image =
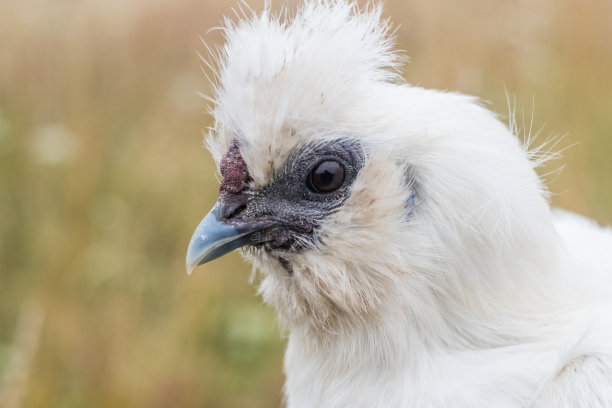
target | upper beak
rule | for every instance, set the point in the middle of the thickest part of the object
(215, 237)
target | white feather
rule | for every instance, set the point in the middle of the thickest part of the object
(481, 297)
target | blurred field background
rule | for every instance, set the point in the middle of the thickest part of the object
(103, 179)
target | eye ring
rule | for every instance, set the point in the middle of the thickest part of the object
(326, 176)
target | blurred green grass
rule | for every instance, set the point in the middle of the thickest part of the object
(103, 179)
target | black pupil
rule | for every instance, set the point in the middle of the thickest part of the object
(327, 176)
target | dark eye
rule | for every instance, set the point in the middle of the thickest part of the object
(326, 177)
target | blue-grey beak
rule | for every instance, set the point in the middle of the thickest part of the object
(217, 235)
(213, 238)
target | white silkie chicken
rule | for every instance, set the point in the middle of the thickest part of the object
(402, 233)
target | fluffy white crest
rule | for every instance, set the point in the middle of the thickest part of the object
(282, 81)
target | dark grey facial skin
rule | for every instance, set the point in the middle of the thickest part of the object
(288, 210)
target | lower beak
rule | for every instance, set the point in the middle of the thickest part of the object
(215, 237)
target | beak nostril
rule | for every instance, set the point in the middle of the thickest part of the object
(232, 210)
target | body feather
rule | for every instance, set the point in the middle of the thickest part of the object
(479, 295)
